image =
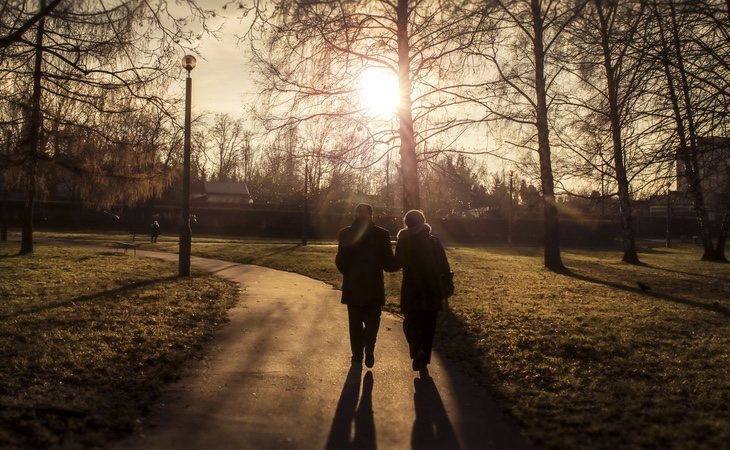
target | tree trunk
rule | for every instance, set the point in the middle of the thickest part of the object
(691, 152)
(683, 153)
(409, 163)
(722, 239)
(33, 143)
(305, 209)
(553, 260)
(624, 190)
(624, 195)
(4, 218)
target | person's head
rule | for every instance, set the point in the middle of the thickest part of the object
(414, 218)
(363, 213)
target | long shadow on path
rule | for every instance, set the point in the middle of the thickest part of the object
(348, 411)
(432, 428)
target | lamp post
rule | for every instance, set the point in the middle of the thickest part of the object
(188, 63)
(668, 242)
(511, 208)
(305, 210)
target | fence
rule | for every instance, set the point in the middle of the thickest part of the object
(282, 223)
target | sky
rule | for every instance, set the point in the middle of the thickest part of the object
(222, 81)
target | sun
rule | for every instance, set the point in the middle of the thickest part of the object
(378, 91)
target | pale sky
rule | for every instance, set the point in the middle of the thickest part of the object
(221, 81)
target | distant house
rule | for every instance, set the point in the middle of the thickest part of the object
(227, 192)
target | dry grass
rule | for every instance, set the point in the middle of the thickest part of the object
(88, 337)
(590, 361)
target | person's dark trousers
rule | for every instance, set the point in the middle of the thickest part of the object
(364, 325)
(420, 329)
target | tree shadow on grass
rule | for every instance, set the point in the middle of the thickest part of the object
(230, 266)
(714, 307)
(692, 274)
(256, 259)
(280, 250)
(88, 297)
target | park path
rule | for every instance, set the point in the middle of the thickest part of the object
(278, 375)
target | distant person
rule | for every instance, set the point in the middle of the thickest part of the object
(363, 253)
(154, 231)
(427, 283)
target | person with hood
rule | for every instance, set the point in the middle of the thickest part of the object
(427, 283)
(363, 253)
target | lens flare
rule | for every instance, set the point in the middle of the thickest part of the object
(378, 90)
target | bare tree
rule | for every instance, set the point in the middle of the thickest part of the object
(522, 54)
(280, 173)
(227, 137)
(15, 22)
(693, 50)
(608, 56)
(104, 56)
(314, 53)
(248, 156)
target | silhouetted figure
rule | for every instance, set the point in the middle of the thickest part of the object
(363, 252)
(426, 273)
(154, 231)
(432, 427)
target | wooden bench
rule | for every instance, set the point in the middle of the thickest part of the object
(126, 246)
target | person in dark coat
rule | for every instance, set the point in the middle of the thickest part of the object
(363, 253)
(154, 231)
(425, 265)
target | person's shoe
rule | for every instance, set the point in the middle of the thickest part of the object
(418, 365)
(369, 360)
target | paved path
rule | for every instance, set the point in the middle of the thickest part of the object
(278, 376)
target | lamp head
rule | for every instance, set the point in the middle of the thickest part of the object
(189, 62)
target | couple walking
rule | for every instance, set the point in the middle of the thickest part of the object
(363, 253)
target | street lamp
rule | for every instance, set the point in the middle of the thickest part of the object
(188, 63)
(305, 210)
(510, 214)
(668, 242)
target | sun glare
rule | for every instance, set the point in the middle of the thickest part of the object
(378, 92)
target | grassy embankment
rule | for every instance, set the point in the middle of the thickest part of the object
(88, 337)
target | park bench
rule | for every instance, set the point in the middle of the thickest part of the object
(126, 246)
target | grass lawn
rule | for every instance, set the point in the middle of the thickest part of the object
(87, 338)
(584, 360)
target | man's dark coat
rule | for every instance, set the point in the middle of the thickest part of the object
(363, 253)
